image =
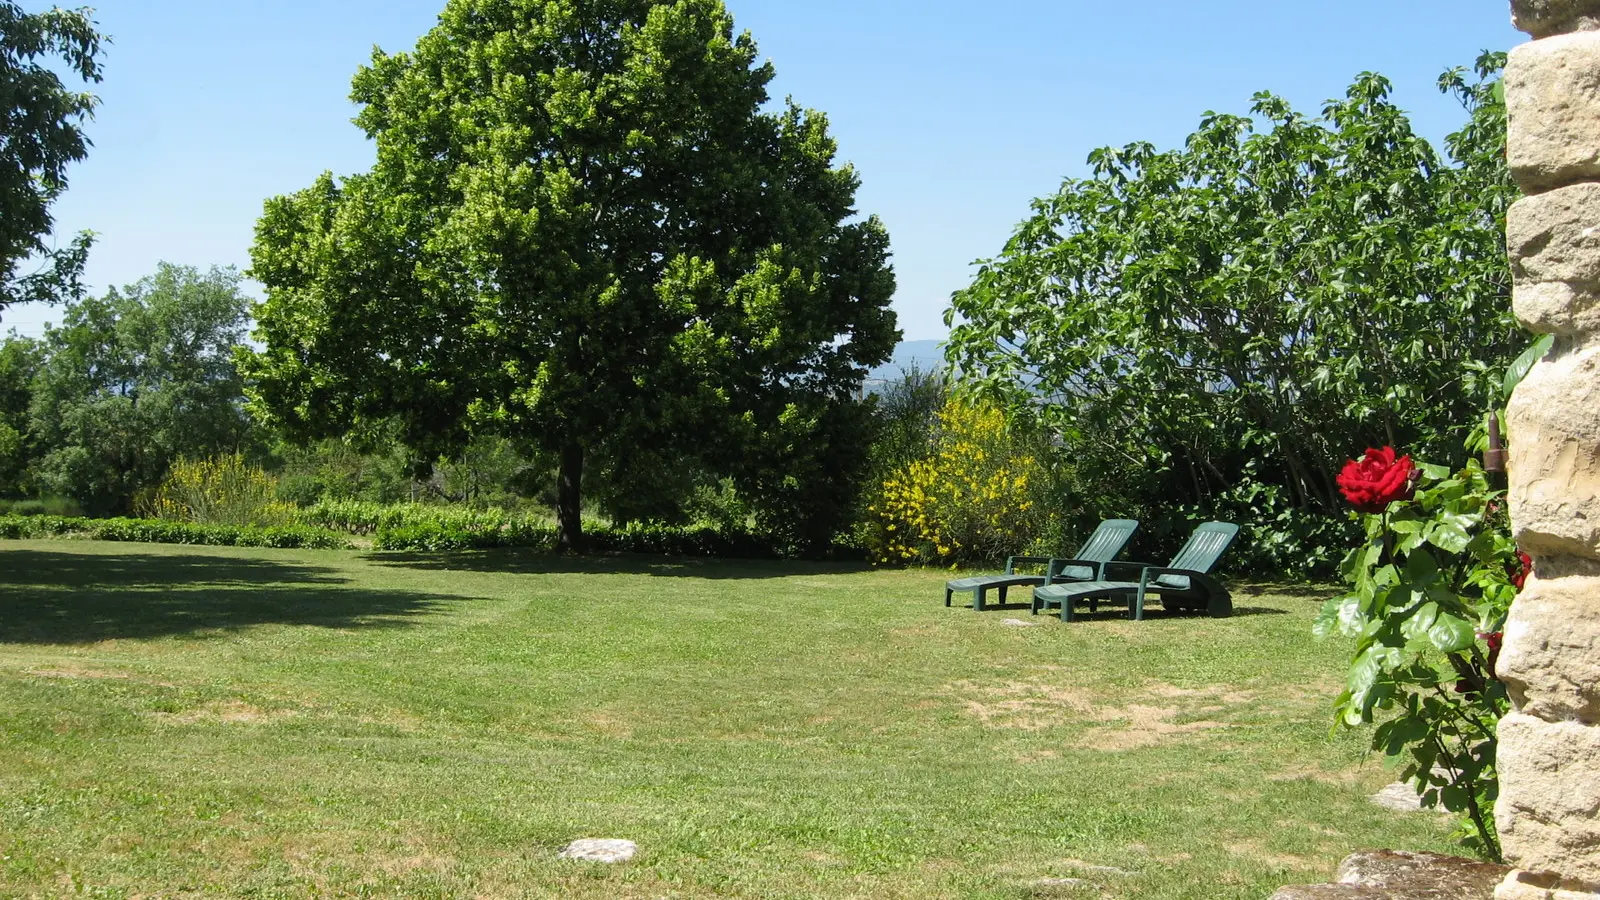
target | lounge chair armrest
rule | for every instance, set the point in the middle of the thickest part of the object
(1011, 562)
(1058, 566)
(1115, 564)
(1202, 579)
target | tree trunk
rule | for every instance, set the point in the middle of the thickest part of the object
(569, 502)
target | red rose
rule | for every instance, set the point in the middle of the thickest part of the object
(1523, 569)
(1377, 479)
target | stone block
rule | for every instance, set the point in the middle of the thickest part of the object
(1550, 660)
(1553, 105)
(1557, 307)
(1543, 18)
(1403, 875)
(1548, 812)
(1554, 484)
(1554, 243)
(1530, 886)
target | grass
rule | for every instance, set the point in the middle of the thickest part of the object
(188, 722)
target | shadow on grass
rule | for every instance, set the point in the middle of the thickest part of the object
(1153, 614)
(1318, 592)
(530, 562)
(65, 598)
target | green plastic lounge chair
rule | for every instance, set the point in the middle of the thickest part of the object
(1101, 547)
(1183, 584)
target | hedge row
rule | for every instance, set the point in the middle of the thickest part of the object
(635, 538)
(362, 517)
(158, 531)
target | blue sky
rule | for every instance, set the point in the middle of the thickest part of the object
(956, 114)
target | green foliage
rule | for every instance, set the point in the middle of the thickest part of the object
(1432, 573)
(907, 412)
(20, 360)
(635, 537)
(156, 531)
(584, 233)
(1238, 311)
(362, 517)
(135, 380)
(40, 135)
(48, 506)
(222, 490)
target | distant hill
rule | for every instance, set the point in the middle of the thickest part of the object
(924, 355)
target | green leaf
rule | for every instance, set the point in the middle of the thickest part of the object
(1523, 364)
(1451, 634)
(1449, 536)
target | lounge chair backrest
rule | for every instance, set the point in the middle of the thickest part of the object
(1206, 545)
(1108, 540)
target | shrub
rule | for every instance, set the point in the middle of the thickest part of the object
(157, 531)
(362, 517)
(1430, 589)
(970, 498)
(635, 537)
(222, 490)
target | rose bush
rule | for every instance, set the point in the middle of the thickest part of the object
(1430, 588)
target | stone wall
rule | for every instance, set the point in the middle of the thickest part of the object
(1549, 807)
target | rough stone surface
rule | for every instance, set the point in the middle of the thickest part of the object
(1528, 886)
(1550, 660)
(1555, 455)
(1557, 307)
(1398, 796)
(1399, 875)
(605, 850)
(1554, 244)
(1543, 18)
(1553, 110)
(1548, 812)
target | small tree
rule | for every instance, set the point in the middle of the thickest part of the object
(40, 135)
(137, 379)
(583, 232)
(1210, 326)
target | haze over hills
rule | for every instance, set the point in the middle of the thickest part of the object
(926, 356)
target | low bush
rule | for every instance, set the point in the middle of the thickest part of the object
(222, 490)
(971, 498)
(156, 531)
(364, 517)
(665, 540)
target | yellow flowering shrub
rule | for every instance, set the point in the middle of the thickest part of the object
(970, 498)
(223, 490)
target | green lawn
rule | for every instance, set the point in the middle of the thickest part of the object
(214, 722)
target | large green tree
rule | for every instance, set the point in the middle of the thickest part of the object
(1227, 322)
(587, 232)
(136, 379)
(40, 135)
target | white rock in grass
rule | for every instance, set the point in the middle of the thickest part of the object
(605, 850)
(1017, 623)
(1400, 796)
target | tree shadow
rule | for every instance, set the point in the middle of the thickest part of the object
(65, 598)
(1317, 592)
(1155, 614)
(514, 561)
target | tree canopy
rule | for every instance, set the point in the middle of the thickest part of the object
(40, 135)
(587, 232)
(132, 381)
(1242, 314)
